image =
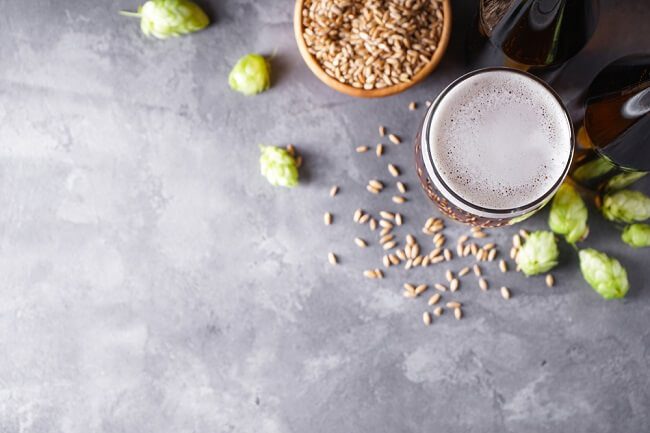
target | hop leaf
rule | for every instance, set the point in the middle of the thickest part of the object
(250, 75)
(604, 274)
(627, 206)
(278, 166)
(637, 235)
(539, 253)
(568, 214)
(166, 18)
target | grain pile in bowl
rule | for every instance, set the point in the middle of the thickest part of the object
(372, 44)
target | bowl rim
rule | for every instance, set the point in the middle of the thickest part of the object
(316, 68)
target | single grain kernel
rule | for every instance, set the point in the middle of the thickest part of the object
(426, 318)
(331, 257)
(550, 280)
(372, 224)
(463, 271)
(327, 218)
(420, 289)
(503, 266)
(399, 199)
(412, 106)
(379, 150)
(453, 285)
(434, 299)
(505, 293)
(389, 245)
(394, 139)
(361, 149)
(387, 215)
(438, 311)
(483, 284)
(386, 224)
(398, 219)
(477, 270)
(458, 313)
(369, 273)
(440, 287)
(334, 190)
(382, 130)
(401, 187)
(393, 170)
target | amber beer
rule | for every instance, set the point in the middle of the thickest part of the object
(494, 147)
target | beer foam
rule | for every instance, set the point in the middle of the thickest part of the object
(500, 140)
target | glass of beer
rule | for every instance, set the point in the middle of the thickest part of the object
(494, 147)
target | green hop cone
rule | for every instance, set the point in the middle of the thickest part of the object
(278, 166)
(637, 235)
(250, 75)
(167, 18)
(627, 206)
(568, 216)
(539, 253)
(623, 180)
(604, 274)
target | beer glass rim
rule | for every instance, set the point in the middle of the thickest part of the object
(461, 202)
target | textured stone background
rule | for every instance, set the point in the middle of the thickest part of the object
(152, 281)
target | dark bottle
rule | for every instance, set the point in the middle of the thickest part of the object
(535, 34)
(614, 141)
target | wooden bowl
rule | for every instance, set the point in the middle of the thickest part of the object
(335, 84)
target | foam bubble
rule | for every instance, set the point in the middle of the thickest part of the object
(500, 140)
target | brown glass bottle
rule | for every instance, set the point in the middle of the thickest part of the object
(535, 35)
(613, 143)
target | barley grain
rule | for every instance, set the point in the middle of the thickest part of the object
(327, 218)
(505, 293)
(434, 299)
(463, 271)
(334, 190)
(426, 318)
(503, 266)
(550, 280)
(393, 170)
(362, 149)
(331, 257)
(458, 313)
(483, 284)
(438, 311)
(394, 139)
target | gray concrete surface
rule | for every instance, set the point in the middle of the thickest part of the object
(152, 281)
